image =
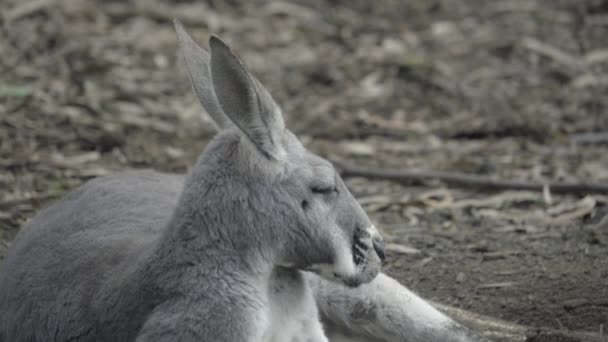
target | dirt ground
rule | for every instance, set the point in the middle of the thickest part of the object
(513, 89)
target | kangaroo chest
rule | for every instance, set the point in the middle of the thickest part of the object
(291, 311)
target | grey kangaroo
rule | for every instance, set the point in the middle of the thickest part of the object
(260, 242)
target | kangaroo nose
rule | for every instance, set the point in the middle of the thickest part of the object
(379, 248)
(378, 243)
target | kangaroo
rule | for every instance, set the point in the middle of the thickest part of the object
(260, 242)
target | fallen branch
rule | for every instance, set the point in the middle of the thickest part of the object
(469, 180)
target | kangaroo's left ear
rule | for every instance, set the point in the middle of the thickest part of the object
(197, 63)
(245, 101)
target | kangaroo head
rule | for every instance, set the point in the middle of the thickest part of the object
(295, 198)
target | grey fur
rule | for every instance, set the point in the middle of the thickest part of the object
(214, 256)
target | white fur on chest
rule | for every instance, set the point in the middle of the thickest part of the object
(291, 314)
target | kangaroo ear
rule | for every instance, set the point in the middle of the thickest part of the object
(245, 101)
(197, 63)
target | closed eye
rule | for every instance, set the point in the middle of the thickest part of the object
(324, 190)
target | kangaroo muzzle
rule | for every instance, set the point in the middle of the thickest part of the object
(356, 264)
(377, 242)
(365, 239)
(372, 235)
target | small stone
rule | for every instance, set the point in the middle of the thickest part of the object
(460, 277)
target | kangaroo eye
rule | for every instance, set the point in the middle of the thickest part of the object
(324, 190)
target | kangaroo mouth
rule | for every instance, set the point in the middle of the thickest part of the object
(356, 264)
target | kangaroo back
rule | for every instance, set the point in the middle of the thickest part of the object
(73, 261)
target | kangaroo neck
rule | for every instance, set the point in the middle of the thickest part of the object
(202, 239)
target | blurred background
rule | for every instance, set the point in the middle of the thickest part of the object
(513, 89)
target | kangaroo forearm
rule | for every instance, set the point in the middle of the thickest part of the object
(384, 310)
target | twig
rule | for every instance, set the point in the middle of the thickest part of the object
(554, 53)
(466, 180)
(602, 224)
(596, 56)
(590, 138)
(26, 8)
(8, 203)
(496, 285)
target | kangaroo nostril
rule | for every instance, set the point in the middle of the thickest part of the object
(379, 248)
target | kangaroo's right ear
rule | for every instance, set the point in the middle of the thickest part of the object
(197, 64)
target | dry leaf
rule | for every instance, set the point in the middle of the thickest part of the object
(401, 249)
